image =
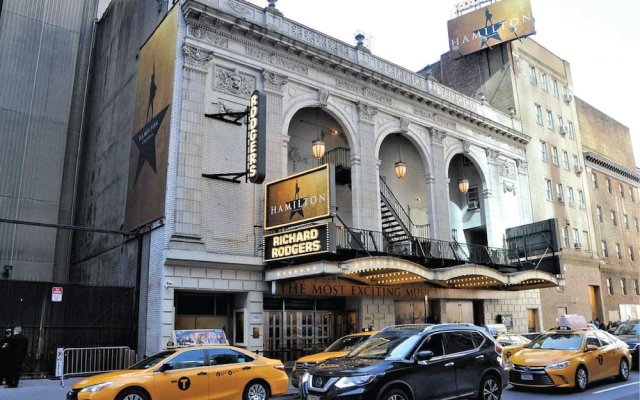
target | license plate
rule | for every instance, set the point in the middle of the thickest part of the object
(526, 377)
(312, 397)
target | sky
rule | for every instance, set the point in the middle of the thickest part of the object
(597, 38)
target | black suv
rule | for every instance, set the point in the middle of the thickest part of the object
(413, 362)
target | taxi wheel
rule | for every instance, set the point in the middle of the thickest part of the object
(255, 391)
(394, 394)
(624, 370)
(133, 394)
(582, 378)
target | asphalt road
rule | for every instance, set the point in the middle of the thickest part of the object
(43, 389)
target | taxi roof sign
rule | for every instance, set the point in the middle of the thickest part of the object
(572, 322)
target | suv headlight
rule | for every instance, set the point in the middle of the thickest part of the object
(96, 388)
(305, 377)
(560, 365)
(349, 381)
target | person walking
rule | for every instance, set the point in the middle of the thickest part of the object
(4, 357)
(18, 345)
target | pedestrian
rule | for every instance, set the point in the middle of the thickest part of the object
(18, 345)
(4, 357)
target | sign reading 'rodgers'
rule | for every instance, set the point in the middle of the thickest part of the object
(303, 197)
(313, 239)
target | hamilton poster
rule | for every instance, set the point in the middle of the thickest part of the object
(151, 124)
(490, 25)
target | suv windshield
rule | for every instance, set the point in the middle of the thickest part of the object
(628, 328)
(151, 361)
(346, 343)
(386, 346)
(557, 341)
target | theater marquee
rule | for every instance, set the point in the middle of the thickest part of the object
(299, 198)
(314, 239)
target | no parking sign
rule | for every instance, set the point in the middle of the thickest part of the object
(56, 294)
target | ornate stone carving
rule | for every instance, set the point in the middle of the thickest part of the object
(466, 146)
(196, 58)
(366, 111)
(273, 81)
(276, 59)
(507, 169)
(438, 136)
(522, 166)
(323, 96)
(208, 37)
(492, 155)
(509, 187)
(234, 82)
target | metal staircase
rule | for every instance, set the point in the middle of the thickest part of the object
(396, 224)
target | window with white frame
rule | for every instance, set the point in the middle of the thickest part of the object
(631, 194)
(565, 160)
(608, 182)
(603, 247)
(585, 235)
(572, 133)
(625, 219)
(609, 287)
(599, 214)
(565, 236)
(554, 86)
(538, 114)
(549, 188)
(576, 163)
(632, 256)
(621, 190)
(618, 251)
(545, 82)
(549, 119)
(560, 122)
(570, 194)
(576, 239)
(533, 75)
(636, 287)
(554, 156)
(560, 192)
(543, 147)
(623, 286)
(594, 180)
(474, 198)
(614, 220)
(581, 202)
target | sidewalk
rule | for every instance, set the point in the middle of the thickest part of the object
(48, 389)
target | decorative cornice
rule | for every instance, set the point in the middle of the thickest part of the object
(611, 166)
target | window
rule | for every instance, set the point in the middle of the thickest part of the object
(621, 190)
(554, 156)
(592, 340)
(474, 198)
(227, 356)
(565, 160)
(594, 180)
(581, 203)
(604, 338)
(554, 86)
(608, 182)
(599, 213)
(632, 256)
(570, 189)
(549, 189)
(603, 246)
(545, 82)
(631, 194)
(637, 225)
(618, 251)
(560, 193)
(565, 236)
(609, 286)
(560, 123)
(543, 146)
(576, 164)
(533, 74)
(187, 359)
(625, 218)
(585, 235)
(435, 344)
(549, 120)
(576, 238)
(572, 133)
(460, 341)
(538, 114)
(636, 287)
(623, 286)
(614, 220)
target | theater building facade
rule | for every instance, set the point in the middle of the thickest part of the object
(313, 189)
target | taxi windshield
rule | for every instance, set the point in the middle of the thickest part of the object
(558, 341)
(391, 346)
(153, 360)
(346, 343)
(628, 329)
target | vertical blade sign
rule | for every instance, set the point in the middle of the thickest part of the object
(256, 138)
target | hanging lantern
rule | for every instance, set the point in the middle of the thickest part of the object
(401, 169)
(317, 147)
(463, 185)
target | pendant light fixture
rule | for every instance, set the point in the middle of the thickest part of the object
(318, 146)
(463, 183)
(400, 167)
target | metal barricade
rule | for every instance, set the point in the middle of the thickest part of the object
(94, 360)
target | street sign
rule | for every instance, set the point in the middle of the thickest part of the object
(56, 294)
(59, 359)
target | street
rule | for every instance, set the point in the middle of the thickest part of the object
(43, 389)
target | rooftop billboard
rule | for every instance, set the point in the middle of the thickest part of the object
(490, 25)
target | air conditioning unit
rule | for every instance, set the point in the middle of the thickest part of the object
(577, 245)
(568, 97)
(563, 130)
(473, 205)
(578, 169)
(561, 199)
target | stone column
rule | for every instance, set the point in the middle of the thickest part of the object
(438, 190)
(524, 192)
(492, 213)
(366, 204)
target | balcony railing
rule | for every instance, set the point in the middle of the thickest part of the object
(340, 157)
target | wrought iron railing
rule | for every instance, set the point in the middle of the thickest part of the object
(415, 230)
(340, 157)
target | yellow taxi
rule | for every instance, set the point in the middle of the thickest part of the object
(511, 344)
(213, 372)
(338, 348)
(570, 356)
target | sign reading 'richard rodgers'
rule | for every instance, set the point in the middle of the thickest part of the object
(493, 24)
(314, 239)
(303, 197)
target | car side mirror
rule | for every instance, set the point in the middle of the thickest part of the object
(165, 367)
(424, 355)
(591, 347)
